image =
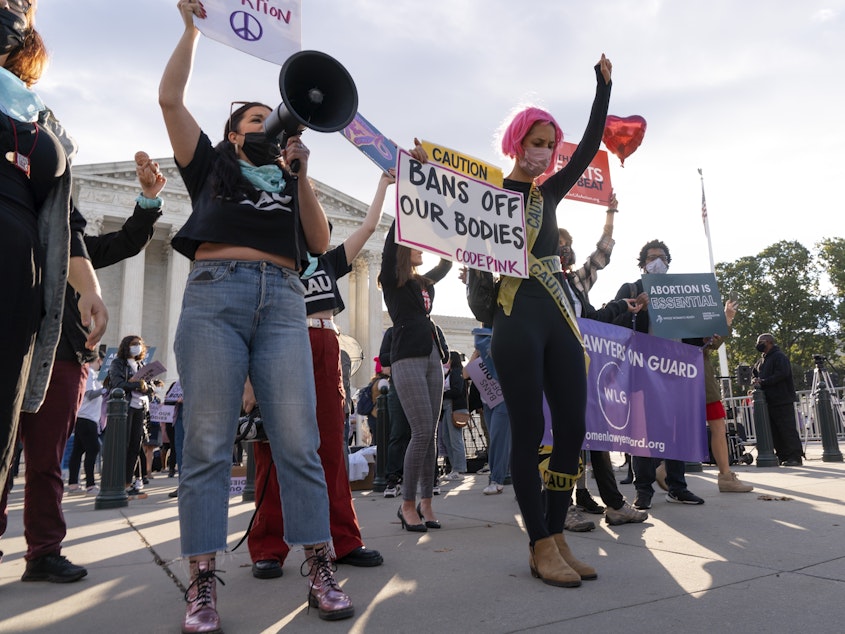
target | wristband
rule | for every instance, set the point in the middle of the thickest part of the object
(612, 209)
(148, 203)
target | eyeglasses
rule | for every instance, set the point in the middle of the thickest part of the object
(652, 258)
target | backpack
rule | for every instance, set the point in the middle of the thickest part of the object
(482, 295)
(365, 404)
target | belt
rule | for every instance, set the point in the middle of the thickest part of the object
(313, 322)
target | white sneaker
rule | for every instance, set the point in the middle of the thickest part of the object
(92, 490)
(74, 489)
(139, 484)
(453, 476)
(493, 488)
(484, 470)
(392, 490)
(435, 490)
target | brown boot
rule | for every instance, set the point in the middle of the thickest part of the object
(547, 564)
(201, 613)
(586, 572)
(324, 593)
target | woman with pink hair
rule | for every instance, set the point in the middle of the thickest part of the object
(536, 342)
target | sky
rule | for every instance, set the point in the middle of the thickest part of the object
(745, 91)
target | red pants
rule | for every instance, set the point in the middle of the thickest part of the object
(44, 437)
(265, 539)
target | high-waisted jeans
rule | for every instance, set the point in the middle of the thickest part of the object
(242, 318)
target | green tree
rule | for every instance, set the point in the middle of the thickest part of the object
(832, 256)
(779, 292)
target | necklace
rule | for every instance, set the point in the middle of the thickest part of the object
(16, 158)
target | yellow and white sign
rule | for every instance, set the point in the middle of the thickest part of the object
(464, 164)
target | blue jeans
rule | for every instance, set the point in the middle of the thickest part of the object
(499, 449)
(238, 319)
(453, 439)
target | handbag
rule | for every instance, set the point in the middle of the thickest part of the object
(251, 428)
(482, 294)
(460, 418)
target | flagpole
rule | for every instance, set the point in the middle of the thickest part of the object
(723, 353)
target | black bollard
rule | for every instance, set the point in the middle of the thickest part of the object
(112, 493)
(823, 406)
(248, 494)
(765, 447)
(380, 481)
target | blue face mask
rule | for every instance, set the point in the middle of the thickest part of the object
(18, 101)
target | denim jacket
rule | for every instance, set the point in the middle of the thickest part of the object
(54, 233)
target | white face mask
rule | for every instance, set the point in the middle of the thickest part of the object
(535, 161)
(656, 267)
(134, 350)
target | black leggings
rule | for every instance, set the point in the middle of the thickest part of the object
(134, 438)
(86, 440)
(536, 352)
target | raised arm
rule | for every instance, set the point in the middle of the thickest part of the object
(355, 242)
(182, 128)
(561, 182)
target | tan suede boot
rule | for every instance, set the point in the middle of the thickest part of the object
(548, 565)
(585, 571)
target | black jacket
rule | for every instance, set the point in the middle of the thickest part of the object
(635, 321)
(775, 373)
(119, 375)
(104, 250)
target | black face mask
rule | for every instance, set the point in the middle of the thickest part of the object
(567, 257)
(260, 150)
(761, 347)
(12, 28)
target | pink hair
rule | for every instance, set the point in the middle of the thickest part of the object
(521, 125)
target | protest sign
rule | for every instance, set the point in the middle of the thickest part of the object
(594, 185)
(487, 386)
(645, 394)
(174, 394)
(375, 146)
(685, 305)
(463, 163)
(459, 218)
(149, 371)
(111, 353)
(268, 29)
(160, 413)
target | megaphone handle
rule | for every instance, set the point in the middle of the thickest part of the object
(294, 166)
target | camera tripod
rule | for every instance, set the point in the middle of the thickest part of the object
(821, 375)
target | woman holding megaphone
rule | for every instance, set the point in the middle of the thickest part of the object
(248, 235)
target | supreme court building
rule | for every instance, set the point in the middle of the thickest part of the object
(144, 293)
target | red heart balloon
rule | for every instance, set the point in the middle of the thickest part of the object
(623, 135)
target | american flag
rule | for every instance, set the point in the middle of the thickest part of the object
(703, 206)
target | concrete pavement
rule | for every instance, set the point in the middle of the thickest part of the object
(770, 560)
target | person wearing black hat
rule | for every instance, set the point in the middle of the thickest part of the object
(773, 374)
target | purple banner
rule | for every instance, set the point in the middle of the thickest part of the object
(645, 395)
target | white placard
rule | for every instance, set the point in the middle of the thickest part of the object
(468, 221)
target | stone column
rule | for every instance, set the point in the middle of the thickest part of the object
(374, 309)
(343, 320)
(178, 267)
(132, 297)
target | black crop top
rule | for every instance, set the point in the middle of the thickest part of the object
(269, 224)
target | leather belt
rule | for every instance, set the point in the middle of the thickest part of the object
(314, 322)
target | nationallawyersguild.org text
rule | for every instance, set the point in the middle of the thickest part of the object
(621, 439)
